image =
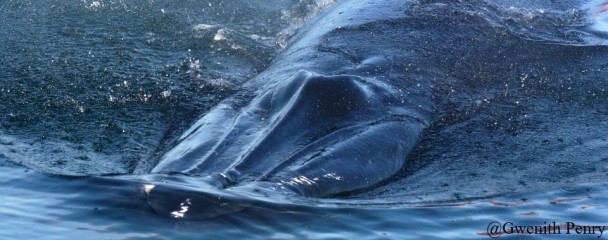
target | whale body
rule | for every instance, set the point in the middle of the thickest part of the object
(316, 122)
(343, 107)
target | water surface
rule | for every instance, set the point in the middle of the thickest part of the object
(101, 88)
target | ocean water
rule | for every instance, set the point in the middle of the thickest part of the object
(91, 90)
(34, 205)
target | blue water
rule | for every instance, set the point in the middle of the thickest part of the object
(101, 88)
(39, 206)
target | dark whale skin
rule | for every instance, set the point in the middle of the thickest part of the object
(344, 105)
(317, 122)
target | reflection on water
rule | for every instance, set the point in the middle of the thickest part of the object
(39, 206)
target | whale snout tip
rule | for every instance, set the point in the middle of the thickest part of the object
(179, 203)
(185, 202)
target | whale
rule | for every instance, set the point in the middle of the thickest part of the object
(342, 108)
(319, 121)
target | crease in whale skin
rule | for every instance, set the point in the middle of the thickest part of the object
(313, 124)
(341, 109)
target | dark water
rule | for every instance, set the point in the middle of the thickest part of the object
(104, 82)
(104, 87)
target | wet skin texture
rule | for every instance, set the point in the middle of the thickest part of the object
(340, 109)
(315, 123)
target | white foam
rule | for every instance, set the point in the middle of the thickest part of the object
(203, 27)
(166, 93)
(219, 83)
(220, 35)
(297, 22)
(93, 5)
